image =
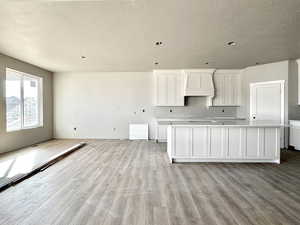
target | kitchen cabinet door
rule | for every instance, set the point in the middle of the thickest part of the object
(219, 83)
(161, 132)
(199, 142)
(227, 88)
(169, 88)
(217, 147)
(161, 90)
(232, 90)
(182, 139)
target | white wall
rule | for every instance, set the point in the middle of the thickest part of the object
(17, 139)
(96, 103)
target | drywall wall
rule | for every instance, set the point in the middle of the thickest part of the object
(261, 73)
(294, 108)
(102, 104)
(17, 139)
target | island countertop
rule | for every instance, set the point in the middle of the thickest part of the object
(231, 123)
(197, 119)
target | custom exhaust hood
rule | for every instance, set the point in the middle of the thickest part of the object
(199, 82)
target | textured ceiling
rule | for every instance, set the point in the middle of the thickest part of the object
(120, 35)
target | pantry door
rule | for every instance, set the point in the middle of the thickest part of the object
(267, 102)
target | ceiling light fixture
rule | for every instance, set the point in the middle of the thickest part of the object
(231, 43)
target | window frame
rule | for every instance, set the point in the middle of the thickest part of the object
(39, 97)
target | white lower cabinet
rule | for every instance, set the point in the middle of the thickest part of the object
(295, 134)
(224, 144)
(182, 142)
(161, 132)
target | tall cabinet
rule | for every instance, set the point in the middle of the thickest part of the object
(169, 88)
(227, 88)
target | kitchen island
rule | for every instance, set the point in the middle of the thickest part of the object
(226, 141)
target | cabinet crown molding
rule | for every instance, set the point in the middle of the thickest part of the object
(200, 70)
(228, 71)
(167, 71)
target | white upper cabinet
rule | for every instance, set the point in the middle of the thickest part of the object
(227, 88)
(198, 82)
(169, 88)
(221, 87)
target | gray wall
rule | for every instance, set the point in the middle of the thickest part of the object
(294, 108)
(261, 73)
(17, 139)
(101, 104)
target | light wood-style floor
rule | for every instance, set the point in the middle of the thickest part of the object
(22, 161)
(132, 183)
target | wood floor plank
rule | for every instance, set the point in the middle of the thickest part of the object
(113, 182)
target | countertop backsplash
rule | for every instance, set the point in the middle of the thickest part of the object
(194, 107)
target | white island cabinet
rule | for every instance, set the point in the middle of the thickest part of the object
(232, 142)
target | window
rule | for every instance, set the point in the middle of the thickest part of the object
(23, 100)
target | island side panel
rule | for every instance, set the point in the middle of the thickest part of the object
(224, 144)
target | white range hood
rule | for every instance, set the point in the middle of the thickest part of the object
(199, 82)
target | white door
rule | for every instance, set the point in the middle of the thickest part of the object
(267, 102)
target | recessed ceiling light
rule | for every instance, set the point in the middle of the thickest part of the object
(83, 57)
(231, 43)
(158, 43)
